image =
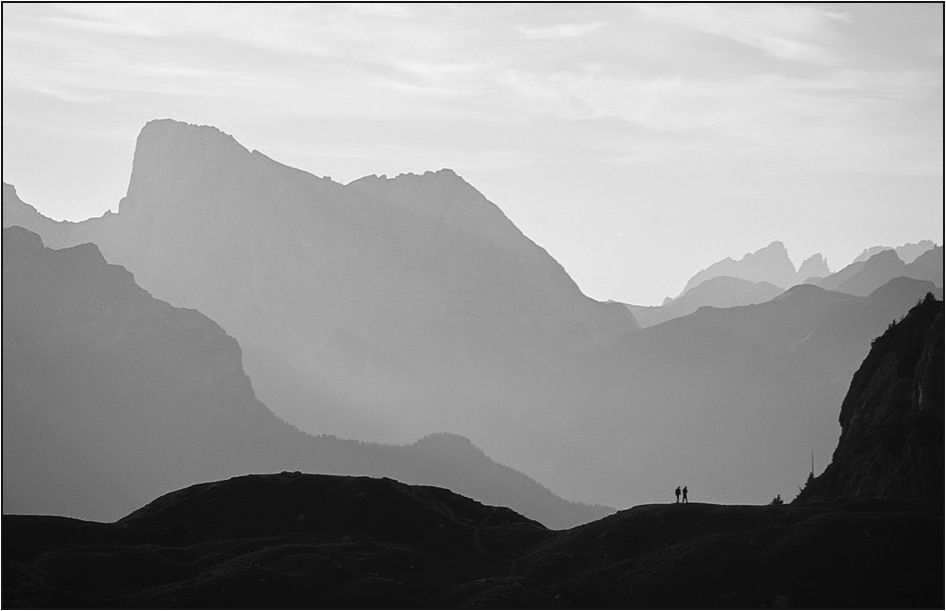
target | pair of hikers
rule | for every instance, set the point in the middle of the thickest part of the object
(677, 492)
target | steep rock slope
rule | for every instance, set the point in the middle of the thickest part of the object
(891, 443)
(111, 397)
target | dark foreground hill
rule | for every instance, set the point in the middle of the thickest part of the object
(292, 540)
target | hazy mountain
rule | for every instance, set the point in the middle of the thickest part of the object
(717, 292)
(762, 377)
(292, 540)
(384, 310)
(891, 443)
(813, 267)
(770, 264)
(928, 266)
(111, 396)
(863, 277)
(907, 252)
(373, 311)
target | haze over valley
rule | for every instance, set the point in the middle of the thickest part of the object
(472, 305)
(391, 309)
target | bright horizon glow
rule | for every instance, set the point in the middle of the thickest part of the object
(638, 144)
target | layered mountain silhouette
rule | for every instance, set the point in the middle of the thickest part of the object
(863, 277)
(384, 310)
(755, 278)
(907, 252)
(111, 397)
(717, 292)
(292, 540)
(758, 376)
(891, 443)
(390, 309)
(770, 264)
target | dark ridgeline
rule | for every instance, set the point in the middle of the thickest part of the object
(891, 444)
(389, 309)
(111, 397)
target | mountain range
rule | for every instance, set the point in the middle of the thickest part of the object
(770, 264)
(862, 277)
(717, 292)
(390, 309)
(111, 397)
(906, 252)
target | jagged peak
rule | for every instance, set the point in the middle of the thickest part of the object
(443, 175)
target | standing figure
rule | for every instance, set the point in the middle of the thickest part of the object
(685, 495)
(677, 492)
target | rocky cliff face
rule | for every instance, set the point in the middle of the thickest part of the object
(891, 443)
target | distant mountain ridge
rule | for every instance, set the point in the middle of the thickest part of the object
(907, 252)
(863, 277)
(717, 292)
(111, 396)
(770, 264)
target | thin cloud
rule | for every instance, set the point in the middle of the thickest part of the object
(788, 32)
(563, 30)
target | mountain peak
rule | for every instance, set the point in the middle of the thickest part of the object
(813, 267)
(170, 153)
(769, 264)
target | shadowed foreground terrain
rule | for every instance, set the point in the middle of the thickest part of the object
(295, 540)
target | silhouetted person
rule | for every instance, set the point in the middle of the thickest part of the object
(684, 494)
(677, 492)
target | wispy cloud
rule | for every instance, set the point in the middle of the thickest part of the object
(561, 30)
(786, 31)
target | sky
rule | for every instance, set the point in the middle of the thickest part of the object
(637, 144)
